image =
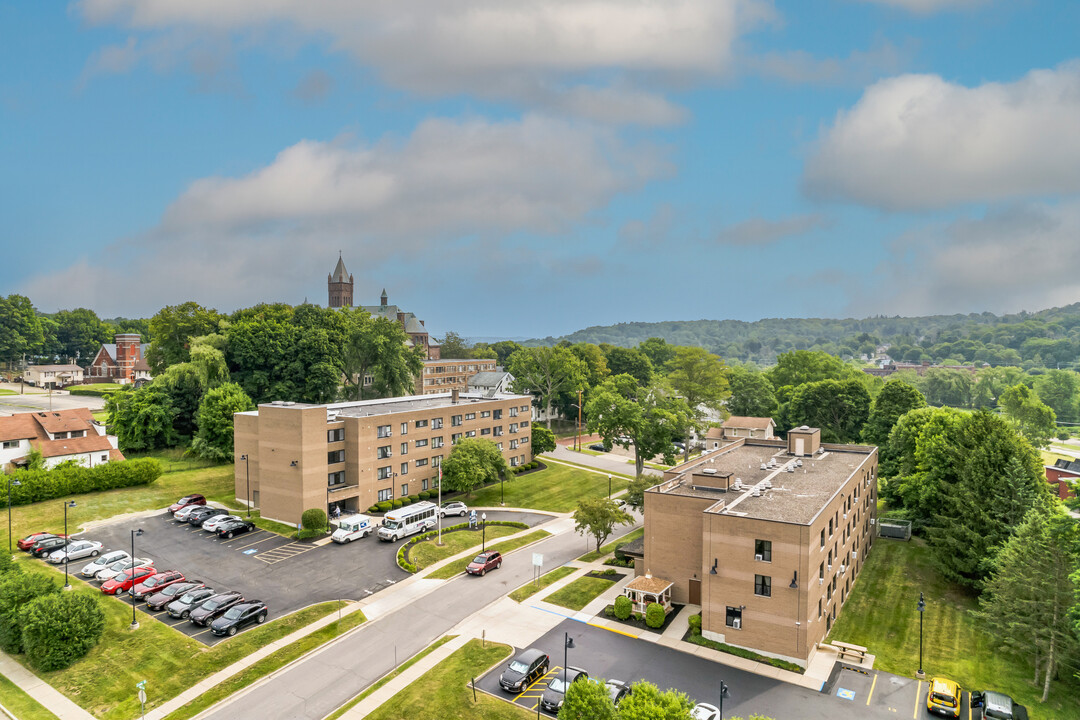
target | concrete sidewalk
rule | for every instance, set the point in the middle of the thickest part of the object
(51, 699)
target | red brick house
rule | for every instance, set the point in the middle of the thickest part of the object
(123, 361)
(1063, 470)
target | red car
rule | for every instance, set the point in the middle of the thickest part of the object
(157, 583)
(29, 541)
(490, 560)
(185, 501)
(123, 582)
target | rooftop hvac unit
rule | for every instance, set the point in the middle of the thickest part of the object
(790, 468)
(756, 492)
(709, 471)
(737, 623)
(764, 466)
(767, 483)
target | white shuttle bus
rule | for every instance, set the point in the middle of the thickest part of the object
(408, 520)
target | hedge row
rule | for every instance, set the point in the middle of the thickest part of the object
(388, 505)
(524, 468)
(71, 479)
(403, 551)
(95, 390)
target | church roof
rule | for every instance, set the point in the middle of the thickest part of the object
(340, 273)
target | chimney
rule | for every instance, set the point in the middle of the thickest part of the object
(454, 396)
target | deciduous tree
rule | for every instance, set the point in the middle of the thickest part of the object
(79, 334)
(629, 361)
(1030, 414)
(658, 351)
(21, 330)
(895, 399)
(171, 330)
(620, 410)
(751, 393)
(699, 378)
(839, 407)
(587, 701)
(377, 348)
(214, 438)
(635, 491)
(60, 628)
(473, 463)
(545, 372)
(648, 702)
(598, 517)
(1059, 390)
(543, 440)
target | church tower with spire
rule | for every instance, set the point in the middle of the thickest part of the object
(339, 284)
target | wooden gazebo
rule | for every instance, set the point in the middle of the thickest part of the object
(647, 589)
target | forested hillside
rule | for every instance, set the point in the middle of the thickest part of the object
(1048, 338)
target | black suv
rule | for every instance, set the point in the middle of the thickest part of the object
(214, 607)
(182, 607)
(42, 548)
(527, 667)
(240, 615)
(234, 527)
(198, 517)
(555, 692)
(157, 601)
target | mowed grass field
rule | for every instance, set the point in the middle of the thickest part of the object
(556, 489)
(882, 615)
(427, 553)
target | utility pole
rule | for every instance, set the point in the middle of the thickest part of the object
(579, 419)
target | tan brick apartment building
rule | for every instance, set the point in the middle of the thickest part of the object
(767, 536)
(355, 454)
(443, 376)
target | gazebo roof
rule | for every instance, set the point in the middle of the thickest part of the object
(649, 584)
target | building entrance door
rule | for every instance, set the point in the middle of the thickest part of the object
(695, 592)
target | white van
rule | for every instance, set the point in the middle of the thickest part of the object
(353, 528)
(406, 521)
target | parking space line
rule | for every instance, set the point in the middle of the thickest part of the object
(202, 632)
(872, 686)
(918, 694)
(239, 537)
(255, 543)
(536, 682)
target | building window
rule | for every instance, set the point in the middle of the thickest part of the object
(497, 431)
(404, 490)
(470, 433)
(485, 431)
(404, 468)
(524, 408)
(470, 416)
(455, 420)
(524, 423)
(513, 461)
(336, 478)
(454, 438)
(385, 473)
(436, 423)
(524, 439)
(763, 550)
(763, 585)
(421, 443)
(513, 427)
(513, 412)
(823, 538)
(387, 494)
(734, 617)
(383, 452)
(498, 415)
(437, 442)
(78, 433)
(404, 428)
(421, 423)
(104, 458)
(485, 413)
(437, 461)
(404, 448)
(11, 444)
(513, 444)
(423, 484)
(422, 462)
(335, 435)
(830, 528)
(499, 445)
(335, 456)
(384, 431)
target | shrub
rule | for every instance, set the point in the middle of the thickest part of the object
(695, 624)
(424, 495)
(619, 554)
(314, 520)
(17, 590)
(70, 478)
(373, 509)
(398, 503)
(60, 628)
(96, 390)
(623, 607)
(637, 616)
(384, 505)
(414, 498)
(7, 565)
(654, 615)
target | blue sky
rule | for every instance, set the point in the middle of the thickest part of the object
(512, 168)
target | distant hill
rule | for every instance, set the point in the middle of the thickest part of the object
(1046, 338)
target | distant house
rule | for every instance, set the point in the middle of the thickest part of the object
(123, 361)
(53, 376)
(1061, 471)
(60, 435)
(491, 383)
(920, 369)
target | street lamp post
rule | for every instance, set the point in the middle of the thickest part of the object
(10, 484)
(67, 541)
(502, 493)
(247, 475)
(568, 643)
(922, 608)
(131, 591)
(609, 486)
(483, 539)
(723, 694)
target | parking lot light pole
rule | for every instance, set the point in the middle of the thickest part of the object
(609, 486)
(483, 538)
(134, 622)
(247, 475)
(10, 484)
(67, 541)
(723, 694)
(922, 608)
(568, 642)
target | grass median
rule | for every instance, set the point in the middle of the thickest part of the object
(20, 704)
(579, 593)
(427, 553)
(610, 547)
(443, 691)
(526, 591)
(881, 614)
(458, 566)
(555, 489)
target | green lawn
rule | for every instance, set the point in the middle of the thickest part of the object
(442, 692)
(103, 682)
(5, 391)
(881, 614)
(527, 591)
(556, 489)
(390, 676)
(427, 553)
(267, 665)
(20, 704)
(458, 566)
(579, 593)
(610, 547)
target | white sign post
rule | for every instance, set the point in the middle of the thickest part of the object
(538, 563)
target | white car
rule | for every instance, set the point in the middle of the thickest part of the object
(214, 523)
(118, 567)
(453, 507)
(181, 514)
(76, 550)
(103, 562)
(704, 711)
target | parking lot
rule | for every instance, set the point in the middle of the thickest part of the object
(607, 655)
(285, 574)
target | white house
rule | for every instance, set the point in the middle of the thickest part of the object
(60, 435)
(491, 383)
(54, 376)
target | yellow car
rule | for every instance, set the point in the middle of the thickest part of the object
(943, 697)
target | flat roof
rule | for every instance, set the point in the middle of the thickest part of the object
(795, 497)
(390, 406)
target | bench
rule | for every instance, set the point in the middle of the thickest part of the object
(847, 651)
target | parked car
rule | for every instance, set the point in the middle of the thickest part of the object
(490, 560)
(44, 548)
(352, 528)
(182, 514)
(187, 501)
(76, 550)
(214, 607)
(528, 667)
(240, 615)
(103, 561)
(234, 527)
(28, 542)
(555, 692)
(198, 516)
(125, 580)
(213, 523)
(993, 705)
(617, 690)
(598, 447)
(159, 600)
(705, 711)
(183, 605)
(118, 567)
(157, 582)
(453, 507)
(943, 697)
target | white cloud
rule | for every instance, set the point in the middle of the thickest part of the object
(449, 190)
(917, 142)
(759, 232)
(925, 7)
(1020, 257)
(494, 48)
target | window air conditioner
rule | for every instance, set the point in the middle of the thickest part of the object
(821, 581)
(873, 521)
(757, 557)
(737, 623)
(854, 554)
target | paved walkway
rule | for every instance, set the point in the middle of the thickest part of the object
(51, 699)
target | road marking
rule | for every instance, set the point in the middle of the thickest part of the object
(200, 633)
(240, 536)
(255, 543)
(918, 694)
(872, 686)
(537, 681)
